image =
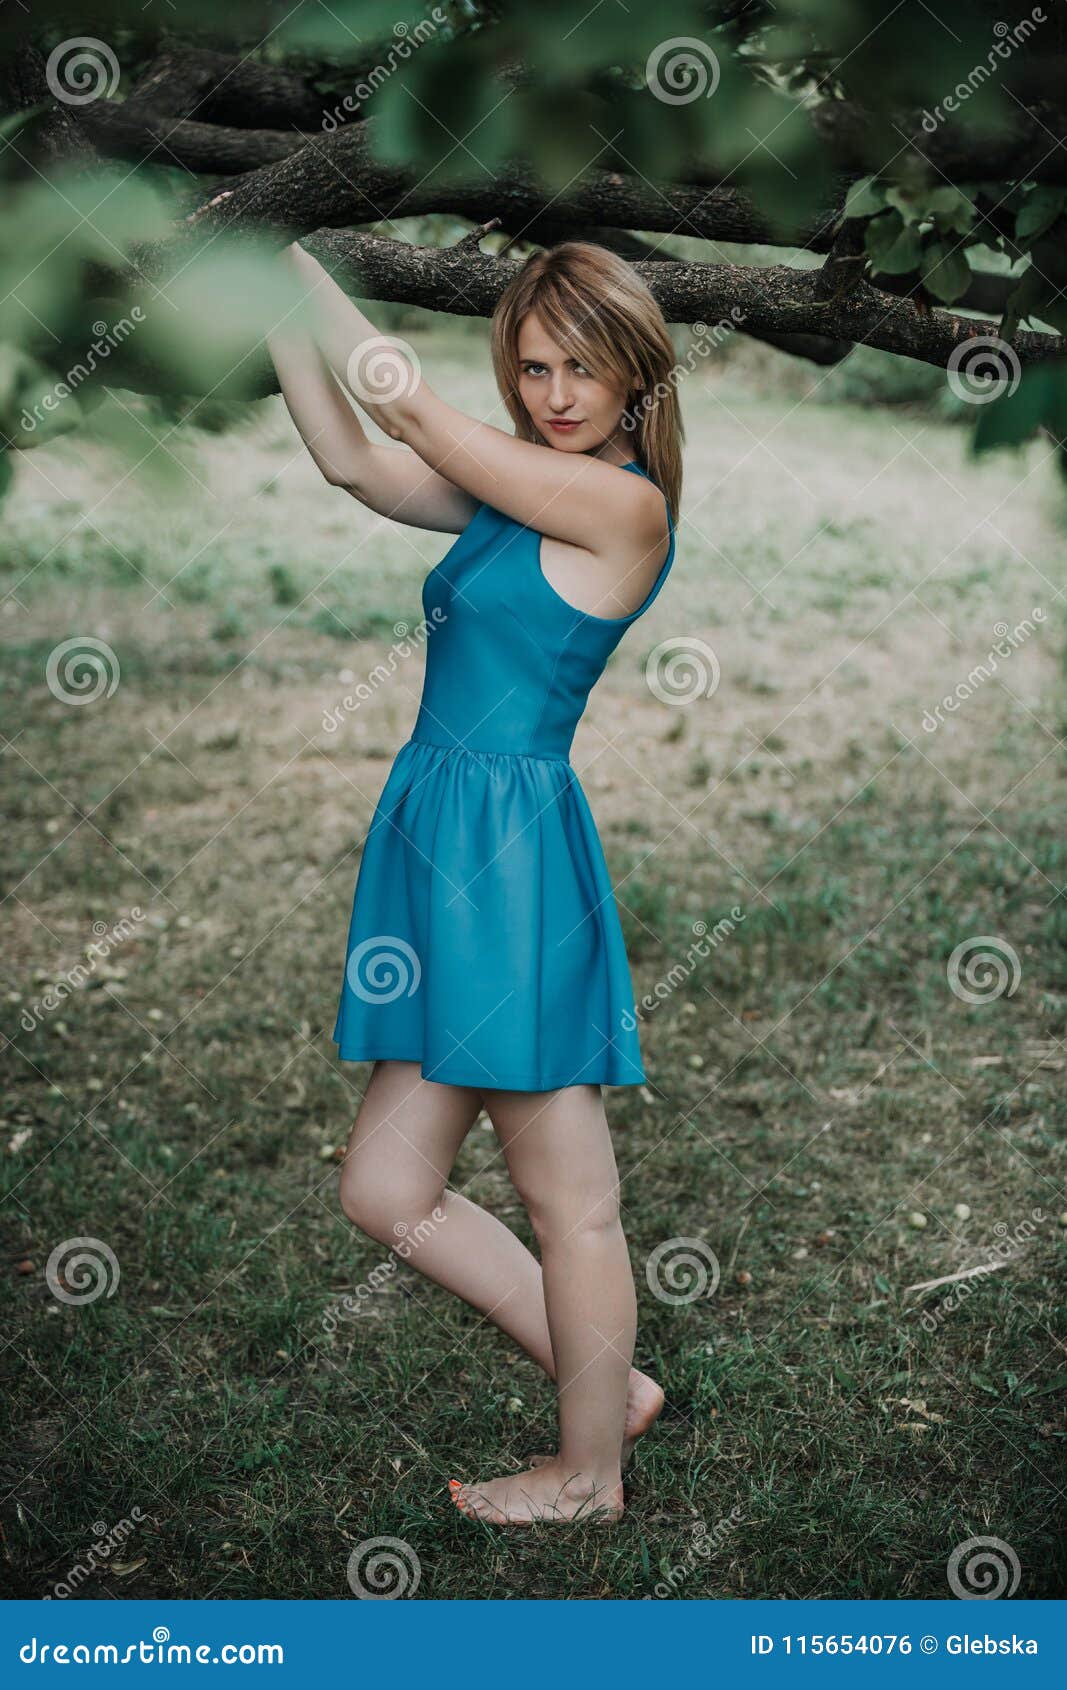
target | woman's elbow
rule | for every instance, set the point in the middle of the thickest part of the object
(339, 475)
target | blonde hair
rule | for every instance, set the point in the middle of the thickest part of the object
(594, 304)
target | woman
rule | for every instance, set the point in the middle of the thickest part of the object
(486, 965)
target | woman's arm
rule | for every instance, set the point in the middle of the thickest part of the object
(567, 496)
(394, 483)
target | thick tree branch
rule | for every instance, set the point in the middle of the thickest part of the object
(771, 304)
(225, 88)
(54, 137)
(777, 300)
(1033, 148)
(130, 131)
(335, 181)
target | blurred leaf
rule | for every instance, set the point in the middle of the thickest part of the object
(953, 211)
(1040, 400)
(205, 323)
(14, 121)
(1041, 208)
(895, 250)
(865, 198)
(945, 271)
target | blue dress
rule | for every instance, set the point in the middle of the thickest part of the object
(485, 942)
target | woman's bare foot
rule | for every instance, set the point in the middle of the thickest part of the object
(547, 1492)
(644, 1401)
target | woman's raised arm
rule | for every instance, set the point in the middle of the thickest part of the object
(569, 496)
(395, 483)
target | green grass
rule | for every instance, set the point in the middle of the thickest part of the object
(813, 1083)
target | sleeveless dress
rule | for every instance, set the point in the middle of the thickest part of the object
(484, 941)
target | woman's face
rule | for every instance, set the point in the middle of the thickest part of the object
(572, 410)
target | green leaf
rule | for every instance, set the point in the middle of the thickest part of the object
(865, 198)
(11, 124)
(894, 250)
(1042, 291)
(952, 211)
(1021, 301)
(1010, 420)
(907, 202)
(1042, 207)
(945, 271)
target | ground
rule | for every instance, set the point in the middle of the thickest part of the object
(827, 1115)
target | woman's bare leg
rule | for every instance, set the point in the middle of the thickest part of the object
(403, 1145)
(405, 1140)
(560, 1157)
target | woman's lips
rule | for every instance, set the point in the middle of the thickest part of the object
(563, 426)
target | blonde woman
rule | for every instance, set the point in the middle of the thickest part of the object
(485, 960)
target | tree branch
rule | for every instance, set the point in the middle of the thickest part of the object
(335, 181)
(777, 300)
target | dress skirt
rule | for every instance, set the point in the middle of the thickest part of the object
(484, 940)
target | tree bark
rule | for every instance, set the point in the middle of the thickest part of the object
(777, 300)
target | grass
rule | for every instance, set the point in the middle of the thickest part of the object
(815, 1090)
